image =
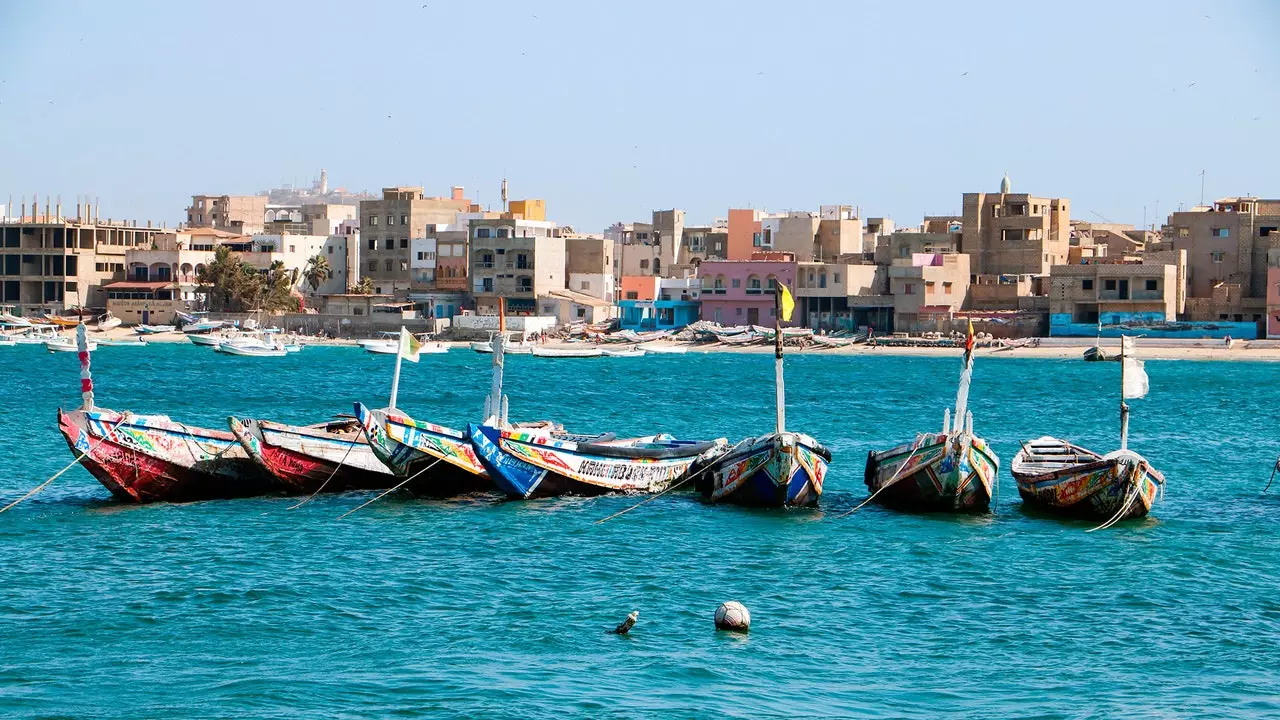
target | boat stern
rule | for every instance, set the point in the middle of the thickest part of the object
(515, 477)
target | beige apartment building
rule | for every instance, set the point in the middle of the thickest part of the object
(520, 260)
(1015, 234)
(50, 263)
(589, 266)
(1227, 246)
(241, 214)
(388, 225)
(927, 289)
(843, 295)
(1115, 292)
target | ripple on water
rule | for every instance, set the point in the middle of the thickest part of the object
(483, 607)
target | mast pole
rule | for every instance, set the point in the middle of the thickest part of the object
(777, 352)
(1124, 408)
(395, 379)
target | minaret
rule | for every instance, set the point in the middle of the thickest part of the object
(324, 181)
(1005, 186)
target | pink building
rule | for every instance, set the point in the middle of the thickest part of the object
(740, 292)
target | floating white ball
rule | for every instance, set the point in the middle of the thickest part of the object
(733, 616)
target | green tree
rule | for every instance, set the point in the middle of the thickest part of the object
(317, 272)
(364, 287)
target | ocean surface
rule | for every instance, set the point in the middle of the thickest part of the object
(488, 608)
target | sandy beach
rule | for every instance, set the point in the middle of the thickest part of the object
(1051, 348)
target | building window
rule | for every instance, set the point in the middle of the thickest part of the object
(293, 249)
(644, 264)
(756, 239)
(737, 282)
(909, 289)
(1086, 284)
(585, 285)
(1217, 256)
(504, 232)
(835, 278)
(391, 219)
(330, 249)
(390, 243)
(404, 243)
(1267, 230)
(928, 287)
(1109, 284)
(946, 288)
(387, 265)
(373, 266)
(373, 243)
(404, 219)
(1152, 284)
(373, 220)
(633, 295)
(1221, 232)
(484, 233)
(404, 265)
(1184, 232)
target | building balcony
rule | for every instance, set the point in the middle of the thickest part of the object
(451, 283)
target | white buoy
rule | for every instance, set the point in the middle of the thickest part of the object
(733, 616)
(625, 626)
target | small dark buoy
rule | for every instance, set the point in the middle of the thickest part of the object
(733, 616)
(625, 626)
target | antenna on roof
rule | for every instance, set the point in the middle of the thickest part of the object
(504, 194)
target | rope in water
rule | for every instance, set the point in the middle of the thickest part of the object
(1273, 476)
(915, 447)
(391, 490)
(325, 484)
(79, 456)
(651, 498)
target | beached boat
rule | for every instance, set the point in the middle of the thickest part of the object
(63, 322)
(661, 349)
(66, 344)
(107, 322)
(622, 352)
(6, 341)
(782, 468)
(122, 342)
(1060, 477)
(567, 352)
(207, 340)
(526, 463)
(153, 329)
(382, 348)
(949, 471)
(332, 455)
(36, 335)
(510, 348)
(1097, 354)
(147, 458)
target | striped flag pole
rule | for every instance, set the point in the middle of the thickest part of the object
(86, 377)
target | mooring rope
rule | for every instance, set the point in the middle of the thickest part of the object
(651, 498)
(79, 456)
(1128, 503)
(1273, 475)
(914, 448)
(391, 490)
(324, 484)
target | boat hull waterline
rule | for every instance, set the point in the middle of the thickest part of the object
(944, 472)
(776, 470)
(305, 459)
(442, 455)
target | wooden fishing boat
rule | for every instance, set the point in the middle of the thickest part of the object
(1058, 476)
(63, 322)
(527, 463)
(949, 471)
(1097, 354)
(780, 469)
(334, 455)
(147, 458)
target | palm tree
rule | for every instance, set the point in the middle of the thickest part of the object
(317, 272)
(364, 287)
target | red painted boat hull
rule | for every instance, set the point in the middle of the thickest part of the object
(133, 474)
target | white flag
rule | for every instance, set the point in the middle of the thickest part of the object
(1135, 379)
(409, 346)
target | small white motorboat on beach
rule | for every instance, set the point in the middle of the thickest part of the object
(68, 345)
(153, 329)
(567, 352)
(657, 349)
(123, 342)
(622, 352)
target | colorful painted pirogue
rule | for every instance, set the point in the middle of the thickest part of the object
(950, 471)
(146, 458)
(526, 463)
(435, 460)
(1058, 476)
(439, 459)
(775, 470)
(333, 456)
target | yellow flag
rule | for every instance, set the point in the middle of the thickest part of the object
(788, 302)
(409, 346)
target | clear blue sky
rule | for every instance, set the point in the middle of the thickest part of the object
(610, 110)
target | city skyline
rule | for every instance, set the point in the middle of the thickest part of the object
(897, 109)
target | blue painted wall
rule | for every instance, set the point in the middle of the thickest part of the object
(1060, 325)
(663, 314)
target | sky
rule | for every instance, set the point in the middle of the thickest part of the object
(610, 110)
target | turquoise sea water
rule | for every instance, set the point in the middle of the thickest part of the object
(499, 609)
